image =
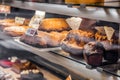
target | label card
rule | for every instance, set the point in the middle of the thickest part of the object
(109, 32)
(41, 14)
(31, 32)
(74, 22)
(36, 19)
(19, 20)
(100, 29)
(69, 78)
(5, 9)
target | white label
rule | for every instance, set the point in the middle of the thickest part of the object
(74, 22)
(5, 9)
(31, 32)
(35, 22)
(69, 78)
(36, 19)
(100, 29)
(109, 32)
(41, 14)
(19, 20)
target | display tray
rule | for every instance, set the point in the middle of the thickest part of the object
(110, 68)
(35, 48)
(3, 36)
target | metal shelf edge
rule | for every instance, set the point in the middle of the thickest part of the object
(109, 14)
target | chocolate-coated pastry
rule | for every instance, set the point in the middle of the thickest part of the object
(54, 24)
(93, 53)
(112, 53)
(111, 47)
(75, 40)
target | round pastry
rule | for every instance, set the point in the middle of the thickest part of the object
(93, 53)
(75, 40)
(54, 24)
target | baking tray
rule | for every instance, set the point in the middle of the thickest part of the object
(17, 39)
(109, 68)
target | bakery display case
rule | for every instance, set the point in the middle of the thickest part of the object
(62, 44)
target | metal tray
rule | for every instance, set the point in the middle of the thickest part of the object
(35, 48)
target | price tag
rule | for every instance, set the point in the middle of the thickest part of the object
(36, 19)
(69, 78)
(5, 9)
(100, 29)
(31, 31)
(109, 32)
(74, 22)
(19, 20)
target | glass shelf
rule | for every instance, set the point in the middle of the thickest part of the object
(112, 4)
(109, 68)
(106, 4)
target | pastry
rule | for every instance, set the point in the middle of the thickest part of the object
(7, 21)
(44, 39)
(15, 31)
(54, 24)
(11, 22)
(31, 76)
(4, 25)
(75, 40)
(93, 53)
(21, 65)
(111, 47)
